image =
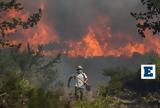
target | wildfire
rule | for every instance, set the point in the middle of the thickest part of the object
(40, 35)
(90, 47)
(152, 43)
(98, 41)
(12, 13)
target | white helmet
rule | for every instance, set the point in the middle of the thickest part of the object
(79, 67)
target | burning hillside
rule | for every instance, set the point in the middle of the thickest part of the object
(97, 41)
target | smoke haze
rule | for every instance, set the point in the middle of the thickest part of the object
(97, 34)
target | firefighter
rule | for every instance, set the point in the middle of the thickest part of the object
(80, 80)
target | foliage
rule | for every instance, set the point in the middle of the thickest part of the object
(24, 73)
(30, 65)
(125, 83)
(130, 89)
(14, 94)
(148, 19)
(14, 23)
(20, 68)
(154, 58)
(40, 98)
(100, 102)
(119, 77)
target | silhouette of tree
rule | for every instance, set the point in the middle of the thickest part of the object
(149, 18)
(15, 22)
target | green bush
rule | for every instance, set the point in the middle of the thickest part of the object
(20, 94)
(99, 102)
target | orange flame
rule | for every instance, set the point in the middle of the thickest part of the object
(12, 13)
(99, 41)
(90, 47)
(152, 43)
(42, 34)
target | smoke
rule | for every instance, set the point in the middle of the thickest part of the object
(89, 28)
(94, 67)
(85, 28)
(72, 18)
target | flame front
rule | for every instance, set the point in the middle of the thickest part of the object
(40, 35)
(98, 41)
(89, 46)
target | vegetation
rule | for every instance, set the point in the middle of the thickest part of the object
(25, 82)
(148, 19)
(26, 75)
(17, 93)
(14, 22)
(126, 90)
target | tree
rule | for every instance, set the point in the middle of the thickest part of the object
(13, 23)
(155, 59)
(21, 71)
(149, 19)
(30, 64)
(119, 77)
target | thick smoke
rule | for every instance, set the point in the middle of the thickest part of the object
(71, 18)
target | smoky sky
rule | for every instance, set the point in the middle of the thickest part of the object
(71, 18)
